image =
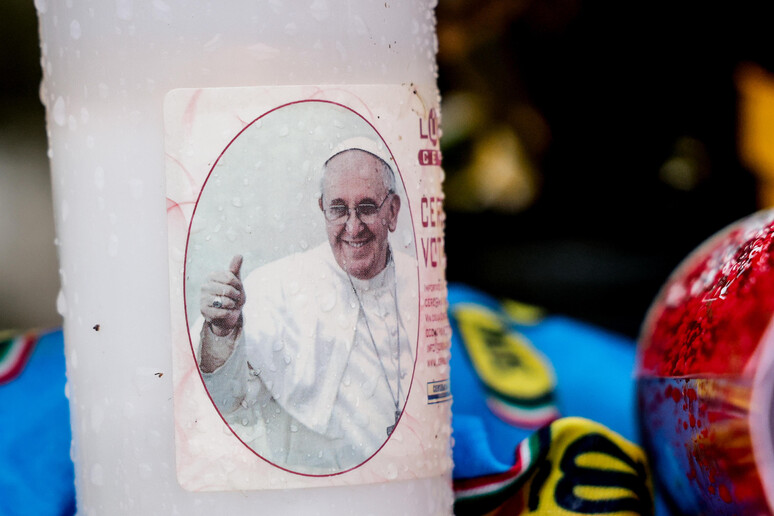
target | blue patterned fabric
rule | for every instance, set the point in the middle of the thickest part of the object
(36, 474)
(593, 372)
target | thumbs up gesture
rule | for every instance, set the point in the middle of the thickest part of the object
(223, 297)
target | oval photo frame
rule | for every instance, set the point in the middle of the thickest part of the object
(295, 409)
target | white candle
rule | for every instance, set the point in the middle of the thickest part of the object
(107, 68)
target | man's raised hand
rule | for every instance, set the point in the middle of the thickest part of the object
(223, 297)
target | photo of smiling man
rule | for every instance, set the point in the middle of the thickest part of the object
(310, 357)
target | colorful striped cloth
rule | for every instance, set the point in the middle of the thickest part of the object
(544, 413)
(36, 474)
(15, 351)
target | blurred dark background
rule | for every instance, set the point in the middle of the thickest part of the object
(589, 146)
(29, 280)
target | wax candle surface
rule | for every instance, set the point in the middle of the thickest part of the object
(107, 68)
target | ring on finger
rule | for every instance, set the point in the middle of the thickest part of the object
(218, 303)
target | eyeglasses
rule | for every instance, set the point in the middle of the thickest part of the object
(366, 212)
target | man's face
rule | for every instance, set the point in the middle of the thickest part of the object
(351, 178)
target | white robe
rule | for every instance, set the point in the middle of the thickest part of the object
(316, 396)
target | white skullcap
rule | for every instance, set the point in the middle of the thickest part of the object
(364, 143)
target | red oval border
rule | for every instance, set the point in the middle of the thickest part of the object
(419, 304)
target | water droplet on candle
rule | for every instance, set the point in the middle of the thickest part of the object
(103, 90)
(213, 43)
(278, 345)
(327, 301)
(358, 25)
(291, 29)
(113, 245)
(154, 438)
(75, 29)
(124, 9)
(236, 202)
(97, 417)
(129, 410)
(162, 6)
(145, 470)
(42, 92)
(320, 10)
(41, 6)
(341, 50)
(97, 475)
(61, 303)
(59, 112)
(136, 187)
(72, 123)
(294, 286)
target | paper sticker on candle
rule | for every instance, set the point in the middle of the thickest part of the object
(295, 289)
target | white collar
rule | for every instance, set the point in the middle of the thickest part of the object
(384, 279)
